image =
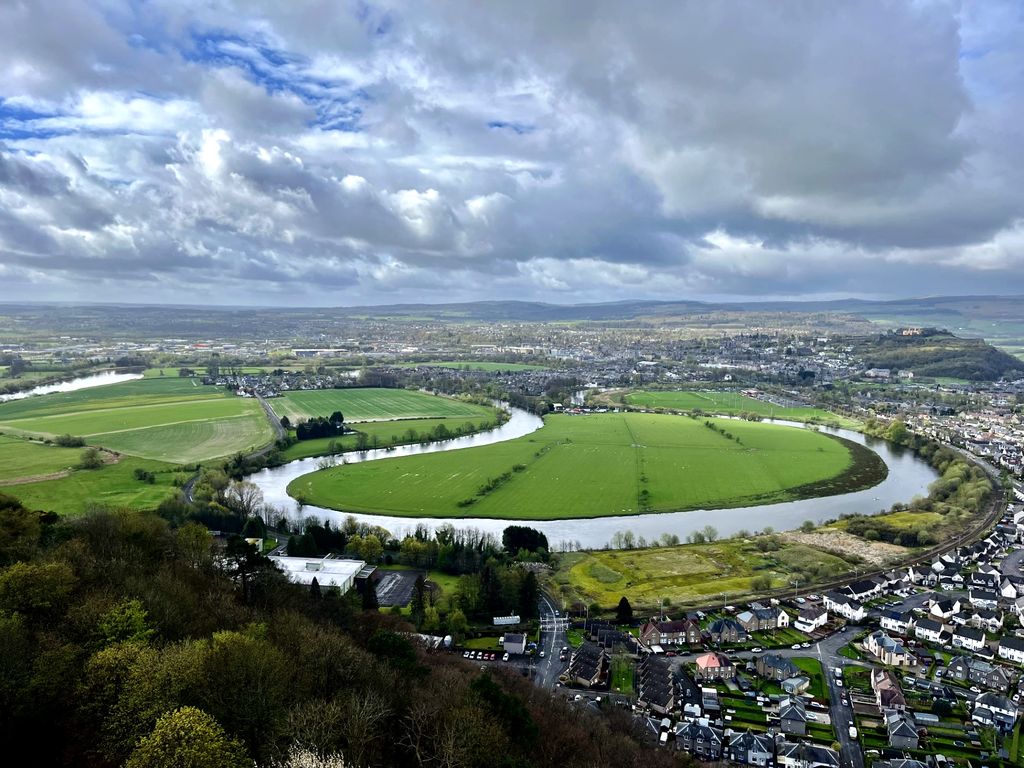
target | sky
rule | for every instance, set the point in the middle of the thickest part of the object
(323, 152)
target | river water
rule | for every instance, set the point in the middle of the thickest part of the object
(82, 382)
(908, 477)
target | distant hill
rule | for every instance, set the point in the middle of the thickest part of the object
(939, 354)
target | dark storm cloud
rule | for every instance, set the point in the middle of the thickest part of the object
(352, 153)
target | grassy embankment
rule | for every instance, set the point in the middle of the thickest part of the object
(600, 465)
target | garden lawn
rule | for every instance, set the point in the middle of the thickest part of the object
(371, 404)
(594, 466)
(812, 668)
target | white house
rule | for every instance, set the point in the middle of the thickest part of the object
(901, 623)
(928, 630)
(969, 638)
(845, 606)
(1011, 648)
(811, 619)
(944, 607)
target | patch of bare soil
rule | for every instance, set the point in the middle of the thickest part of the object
(841, 542)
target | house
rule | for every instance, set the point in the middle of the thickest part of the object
(944, 607)
(679, 632)
(995, 710)
(803, 755)
(902, 730)
(845, 606)
(887, 650)
(895, 621)
(714, 666)
(772, 666)
(863, 590)
(752, 749)
(1011, 648)
(588, 665)
(726, 631)
(795, 686)
(699, 739)
(987, 620)
(969, 670)
(793, 716)
(514, 644)
(969, 638)
(900, 762)
(888, 694)
(655, 685)
(811, 619)
(981, 598)
(928, 630)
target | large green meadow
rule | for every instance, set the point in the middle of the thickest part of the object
(368, 404)
(725, 402)
(592, 466)
(168, 419)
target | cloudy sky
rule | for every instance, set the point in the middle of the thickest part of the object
(334, 153)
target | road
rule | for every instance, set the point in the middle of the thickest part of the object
(547, 670)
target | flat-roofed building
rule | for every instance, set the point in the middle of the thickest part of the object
(328, 571)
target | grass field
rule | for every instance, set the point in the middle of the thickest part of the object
(684, 574)
(591, 466)
(387, 433)
(22, 459)
(113, 485)
(728, 403)
(368, 404)
(169, 419)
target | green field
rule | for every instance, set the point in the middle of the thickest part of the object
(595, 466)
(386, 433)
(169, 419)
(685, 574)
(113, 485)
(22, 459)
(369, 404)
(729, 403)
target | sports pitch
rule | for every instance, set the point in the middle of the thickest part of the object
(369, 404)
(593, 466)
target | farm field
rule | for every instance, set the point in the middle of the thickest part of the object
(383, 434)
(595, 466)
(729, 403)
(370, 404)
(169, 419)
(687, 573)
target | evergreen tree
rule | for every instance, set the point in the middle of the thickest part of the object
(624, 611)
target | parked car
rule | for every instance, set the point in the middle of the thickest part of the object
(796, 646)
(505, 657)
(758, 649)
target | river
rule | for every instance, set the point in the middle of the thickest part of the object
(82, 382)
(908, 477)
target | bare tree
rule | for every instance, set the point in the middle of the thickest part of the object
(244, 497)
